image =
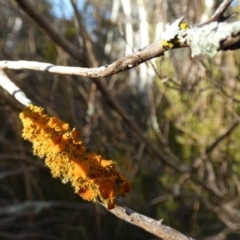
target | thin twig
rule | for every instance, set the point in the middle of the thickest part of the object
(13, 89)
(212, 146)
(47, 28)
(218, 16)
(151, 225)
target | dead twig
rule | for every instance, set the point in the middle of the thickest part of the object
(218, 16)
(153, 226)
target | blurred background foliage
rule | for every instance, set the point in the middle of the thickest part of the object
(188, 108)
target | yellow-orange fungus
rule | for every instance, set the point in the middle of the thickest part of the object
(106, 163)
(60, 144)
(65, 139)
(87, 194)
(92, 177)
(81, 149)
(56, 139)
(92, 155)
(75, 134)
(62, 127)
(58, 125)
(111, 205)
(80, 169)
(54, 143)
(53, 121)
(107, 188)
(103, 162)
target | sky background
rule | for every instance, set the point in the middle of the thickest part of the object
(63, 8)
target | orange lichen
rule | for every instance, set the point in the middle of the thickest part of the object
(80, 169)
(106, 163)
(58, 125)
(53, 121)
(92, 177)
(86, 194)
(55, 139)
(75, 134)
(81, 149)
(110, 205)
(106, 188)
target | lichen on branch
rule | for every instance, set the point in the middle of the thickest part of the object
(170, 37)
(93, 178)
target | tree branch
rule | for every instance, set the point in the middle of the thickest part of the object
(185, 38)
(208, 39)
(191, 39)
(44, 25)
(13, 89)
(148, 224)
(218, 16)
(179, 38)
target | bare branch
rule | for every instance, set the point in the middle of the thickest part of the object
(148, 224)
(121, 211)
(44, 25)
(14, 90)
(208, 39)
(123, 64)
(193, 36)
(218, 16)
(153, 50)
(92, 61)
